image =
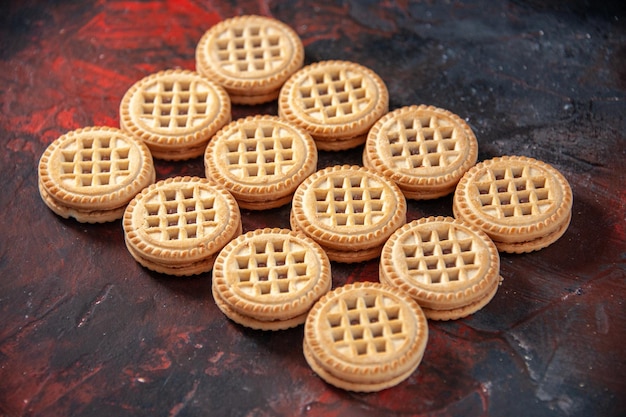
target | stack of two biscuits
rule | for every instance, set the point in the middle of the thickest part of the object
(523, 204)
(178, 225)
(268, 279)
(450, 268)
(91, 174)
(350, 211)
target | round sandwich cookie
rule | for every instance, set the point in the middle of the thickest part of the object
(450, 268)
(349, 210)
(261, 160)
(91, 174)
(424, 149)
(365, 337)
(268, 279)
(175, 112)
(337, 102)
(250, 56)
(523, 204)
(177, 226)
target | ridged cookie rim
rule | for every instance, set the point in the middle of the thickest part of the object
(537, 243)
(512, 233)
(223, 113)
(333, 239)
(196, 267)
(107, 201)
(430, 296)
(327, 131)
(348, 385)
(252, 193)
(253, 322)
(373, 371)
(448, 178)
(250, 307)
(190, 253)
(93, 216)
(257, 87)
(466, 310)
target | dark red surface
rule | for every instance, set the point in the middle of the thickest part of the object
(87, 332)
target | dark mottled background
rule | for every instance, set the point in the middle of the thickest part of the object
(85, 331)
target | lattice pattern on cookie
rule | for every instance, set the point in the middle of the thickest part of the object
(427, 141)
(514, 191)
(175, 104)
(186, 212)
(260, 151)
(272, 268)
(95, 160)
(353, 200)
(440, 256)
(333, 94)
(367, 325)
(252, 48)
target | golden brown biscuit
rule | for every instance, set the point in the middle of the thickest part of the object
(523, 204)
(91, 174)
(175, 112)
(450, 268)
(268, 279)
(250, 56)
(365, 337)
(261, 160)
(178, 225)
(348, 210)
(337, 102)
(423, 149)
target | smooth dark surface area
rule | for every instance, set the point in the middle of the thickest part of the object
(86, 331)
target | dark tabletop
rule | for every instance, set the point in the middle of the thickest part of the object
(86, 331)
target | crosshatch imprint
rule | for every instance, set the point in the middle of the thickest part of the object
(441, 256)
(428, 141)
(94, 161)
(514, 192)
(272, 268)
(250, 49)
(175, 105)
(260, 151)
(181, 213)
(367, 325)
(330, 96)
(350, 201)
